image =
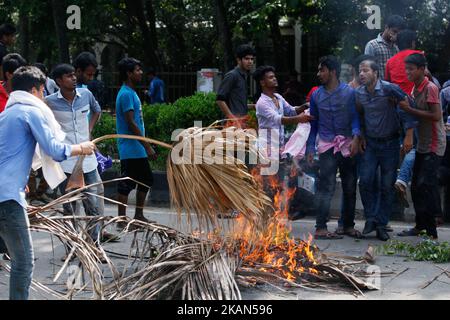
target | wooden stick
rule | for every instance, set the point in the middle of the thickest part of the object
(433, 280)
(132, 137)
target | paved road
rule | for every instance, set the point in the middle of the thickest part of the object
(405, 286)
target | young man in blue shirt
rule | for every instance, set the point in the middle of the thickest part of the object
(337, 123)
(29, 125)
(133, 154)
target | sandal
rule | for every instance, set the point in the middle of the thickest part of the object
(353, 233)
(327, 236)
(340, 231)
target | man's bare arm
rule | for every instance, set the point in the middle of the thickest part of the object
(302, 118)
(129, 118)
(95, 116)
(435, 114)
(225, 109)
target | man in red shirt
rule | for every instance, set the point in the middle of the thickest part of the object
(310, 93)
(3, 97)
(11, 62)
(395, 67)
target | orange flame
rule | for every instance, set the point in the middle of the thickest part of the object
(275, 249)
(240, 123)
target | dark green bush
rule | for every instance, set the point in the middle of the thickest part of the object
(106, 125)
(162, 120)
(185, 111)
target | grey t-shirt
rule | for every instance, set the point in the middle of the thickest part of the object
(233, 90)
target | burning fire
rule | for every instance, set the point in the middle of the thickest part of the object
(275, 249)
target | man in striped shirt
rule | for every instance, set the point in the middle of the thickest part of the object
(384, 46)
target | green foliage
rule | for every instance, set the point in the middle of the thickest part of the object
(185, 111)
(426, 250)
(185, 27)
(105, 126)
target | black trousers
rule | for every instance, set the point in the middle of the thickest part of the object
(444, 180)
(425, 191)
(3, 248)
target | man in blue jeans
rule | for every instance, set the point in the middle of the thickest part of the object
(404, 177)
(29, 125)
(337, 123)
(377, 101)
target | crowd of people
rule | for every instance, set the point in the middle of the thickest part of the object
(387, 128)
(392, 109)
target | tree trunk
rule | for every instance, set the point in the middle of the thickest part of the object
(59, 14)
(152, 22)
(150, 43)
(224, 33)
(277, 41)
(443, 62)
(176, 24)
(24, 34)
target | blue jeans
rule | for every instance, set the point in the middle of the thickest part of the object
(329, 164)
(14, 229)
(93, 206)
(383, 155)
(406, 169)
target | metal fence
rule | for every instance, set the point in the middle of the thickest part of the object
(183, 82)
(178, 83)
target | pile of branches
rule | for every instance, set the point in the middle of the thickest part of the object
(163, 263)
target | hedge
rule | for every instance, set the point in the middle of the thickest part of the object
(161, 120)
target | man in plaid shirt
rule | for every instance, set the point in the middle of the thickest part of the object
(383, 47)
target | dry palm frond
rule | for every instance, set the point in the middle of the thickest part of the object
(80, 244)
(209, 180)
(167, 264)
(191, 271)
(76, 180)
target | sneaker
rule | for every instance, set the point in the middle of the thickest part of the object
(401, 194)
(369, 227)
(409, 233)
(382, 234)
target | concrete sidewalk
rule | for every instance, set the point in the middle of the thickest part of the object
(407, 285)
